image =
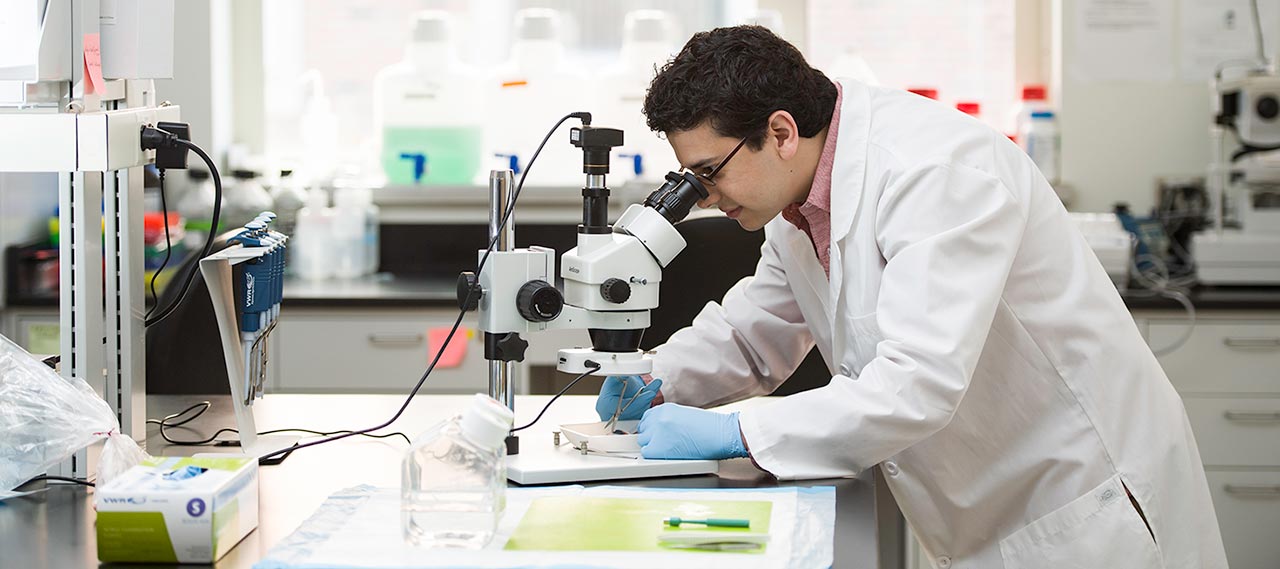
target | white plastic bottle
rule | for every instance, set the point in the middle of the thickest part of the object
(454, 478)
(428, 112)
(1039, 137)
(647, 42)
(530, 93)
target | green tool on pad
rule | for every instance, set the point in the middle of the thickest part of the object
(710, 522)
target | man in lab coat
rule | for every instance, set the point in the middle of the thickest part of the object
(979, 353)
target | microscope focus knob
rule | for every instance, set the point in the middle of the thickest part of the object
(469, 291)
(616, 291)
(539, 301)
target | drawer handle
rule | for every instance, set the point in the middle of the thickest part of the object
(1253, 416)
(1251, 343)
(1253, 489)
(395, 339)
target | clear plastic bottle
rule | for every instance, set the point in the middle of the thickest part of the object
(453, 489)
(312, 246)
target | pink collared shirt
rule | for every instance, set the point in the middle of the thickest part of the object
(813, 217)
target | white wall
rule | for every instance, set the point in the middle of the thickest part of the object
(1118, 138)
(201, 83)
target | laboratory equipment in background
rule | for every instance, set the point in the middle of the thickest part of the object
(76, 91)
(610, 283)
(648, 42)
(244, 199)
(157, 246)
(1242, 245)
(1110, 242)
(313, 245)
(525, 92)
(454, 478)
(428, 113)
(1039, 138)
(246, 286)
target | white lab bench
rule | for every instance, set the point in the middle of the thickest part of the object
(54, 529)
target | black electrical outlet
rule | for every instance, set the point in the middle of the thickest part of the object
(173, 156)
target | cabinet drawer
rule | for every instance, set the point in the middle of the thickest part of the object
(1248, 508)
(1221, 357)
(371, 352)
(1236, 432)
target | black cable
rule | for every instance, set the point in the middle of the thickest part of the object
(562, 392)
(51, 478)
(205, 405)
(165, 421)
(168, 249)
(267, 458)
(213, 231)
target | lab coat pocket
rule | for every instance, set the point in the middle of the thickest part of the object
(864, 336)
(1098, 529)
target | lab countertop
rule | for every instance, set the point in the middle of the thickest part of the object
(387, 290)
(54, 529)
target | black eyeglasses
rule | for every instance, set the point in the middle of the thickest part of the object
(708, 178)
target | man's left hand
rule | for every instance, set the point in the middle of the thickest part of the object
(679, 432)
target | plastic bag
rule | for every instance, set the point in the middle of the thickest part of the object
(45, 418)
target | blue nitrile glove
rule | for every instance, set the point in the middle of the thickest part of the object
(675, 431)
(625, 387)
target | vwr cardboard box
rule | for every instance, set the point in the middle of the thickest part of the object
(177, 510)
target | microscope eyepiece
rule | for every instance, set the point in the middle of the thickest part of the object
(677, 196)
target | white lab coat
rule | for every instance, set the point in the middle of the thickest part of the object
(979, 354)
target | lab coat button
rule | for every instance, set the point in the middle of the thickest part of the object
(944, 562)
(844, 370)
(891, 468)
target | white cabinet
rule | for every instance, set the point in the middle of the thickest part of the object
(1248, 506)
(337, 350)
(1228, 373)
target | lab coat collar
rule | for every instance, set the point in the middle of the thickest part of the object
(849, 173)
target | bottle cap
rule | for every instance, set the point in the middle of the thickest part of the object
(538, 24)
(1034, 93)
(927, 92)
(969, 107)
(486, 421)
(431, 26)
(648, 26)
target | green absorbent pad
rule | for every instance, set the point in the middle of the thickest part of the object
(574, 523)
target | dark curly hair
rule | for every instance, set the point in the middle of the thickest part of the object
(736, 77)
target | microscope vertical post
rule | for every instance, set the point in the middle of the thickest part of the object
(501, 373)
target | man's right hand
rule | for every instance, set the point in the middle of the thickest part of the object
(623, 388)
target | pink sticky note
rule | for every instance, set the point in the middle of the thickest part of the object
(454, 353)
(93, 63)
